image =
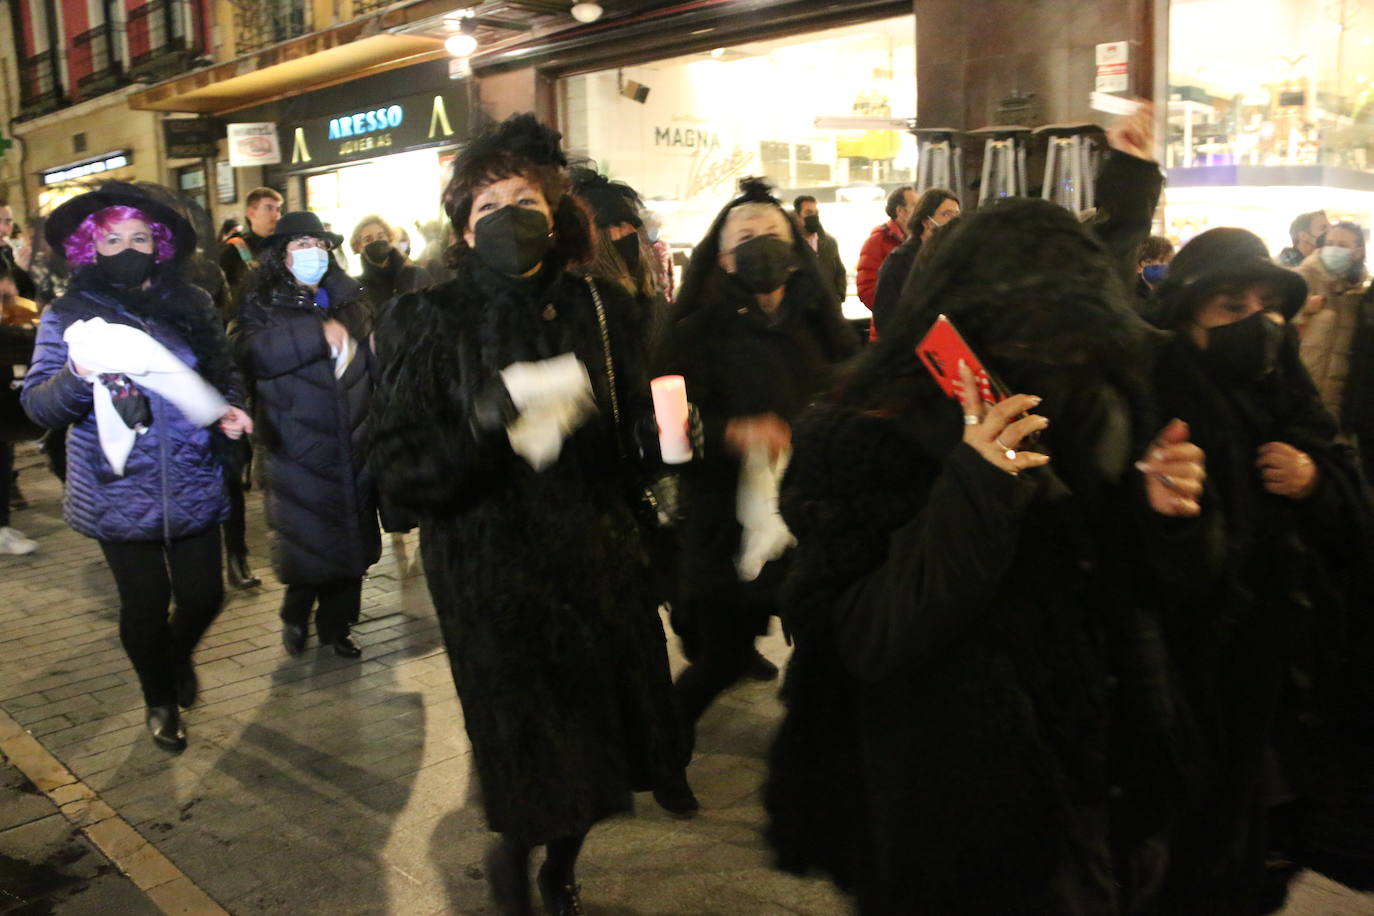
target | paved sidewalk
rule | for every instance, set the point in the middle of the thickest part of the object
(319, 785)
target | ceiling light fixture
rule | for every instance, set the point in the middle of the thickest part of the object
(461, 43)
(586, 11)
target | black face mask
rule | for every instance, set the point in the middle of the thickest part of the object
(812, 224)
(763, 263)
(513, 240)
(628, 249)
(377, 252)
(126, 269)
(1245, 350)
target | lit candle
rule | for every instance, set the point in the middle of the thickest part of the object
(670, 408)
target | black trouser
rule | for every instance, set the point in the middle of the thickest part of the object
(339, 604)
(149, 574)
(718, 637)
(6, 481)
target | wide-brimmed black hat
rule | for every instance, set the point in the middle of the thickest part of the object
(302, 222)
(68, 217)
(1219, 259)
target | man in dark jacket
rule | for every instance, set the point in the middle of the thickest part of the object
(808, 214)
(240, 250)
(387, 273)
(1306, 232)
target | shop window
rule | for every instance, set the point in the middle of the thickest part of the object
(683, 131)
(1296, 87)
(1276, 122)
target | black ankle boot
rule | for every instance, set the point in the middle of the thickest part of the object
(676, 797)
(188, 685)
(165, 725)
(509, 879)
(240, 573)
(560, 897)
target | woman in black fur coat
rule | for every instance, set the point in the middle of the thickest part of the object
(533, 557)
(980, 715)
(756, 333)
(302, 336)
(1276, 648)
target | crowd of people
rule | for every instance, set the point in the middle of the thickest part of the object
(1092, 636)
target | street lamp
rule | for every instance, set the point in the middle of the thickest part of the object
(461, 43)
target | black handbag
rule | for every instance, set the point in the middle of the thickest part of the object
(658, 497)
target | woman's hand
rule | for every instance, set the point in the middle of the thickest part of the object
(767, 429)
(1135, 135)
(236, 423)
(336, 335)
(993, 432)
(1286, 471)
(1174, 470)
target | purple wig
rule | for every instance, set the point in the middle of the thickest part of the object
(80, 245)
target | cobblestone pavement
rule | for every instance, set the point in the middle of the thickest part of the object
(320, 785)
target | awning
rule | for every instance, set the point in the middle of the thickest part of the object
(334, 55)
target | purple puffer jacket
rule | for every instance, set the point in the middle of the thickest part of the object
(172, 485)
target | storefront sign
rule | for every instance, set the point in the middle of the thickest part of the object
(1113, 62)
(190, 138)
(414, 122)
(253, 144)
(86, 168)
(686, 138)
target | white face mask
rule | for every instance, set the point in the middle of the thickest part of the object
(1337, 260)
(309, 264)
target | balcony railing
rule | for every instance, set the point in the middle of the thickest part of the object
(259, 23)
(361, 7)
(39, 88)
(157, 38)
(94, 66)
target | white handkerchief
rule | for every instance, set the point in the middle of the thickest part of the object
(765, 536)
(554, 397)
(100, 347)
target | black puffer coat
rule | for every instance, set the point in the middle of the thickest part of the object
(1276, 649)
(539, 578)
(322, 504)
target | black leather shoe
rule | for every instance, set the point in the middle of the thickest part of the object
(559, 899)
(760, 668)
(240, 573)
(165, 725)
(293, 637)
(188, 685)
(677, 799)
(345, 647)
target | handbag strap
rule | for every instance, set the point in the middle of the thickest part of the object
(606, 356)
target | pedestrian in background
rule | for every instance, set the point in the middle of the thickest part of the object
(387, 272)
(302, 337)
(18, 329)
(882, 241)
(143, 477)
(808, 216)
(240, 252)
(935, 208)
(530, 543)
(1336, 279)
(1306, 233)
